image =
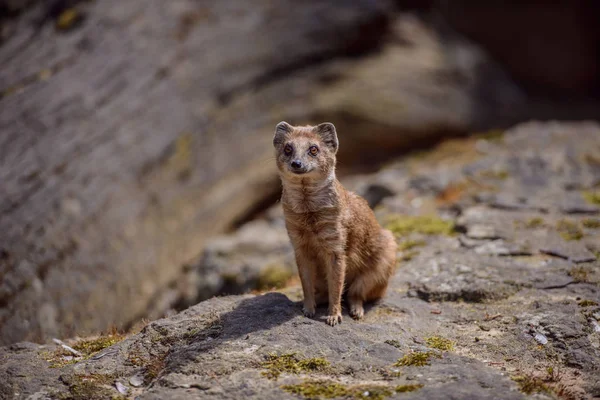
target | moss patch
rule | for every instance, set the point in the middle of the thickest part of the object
(291, 363)
(569, 230)
(587, 303)
(415, 359)
(440, 343)
(68, 19)
(494, 174)
(409, 255)
(592, 197)
(60, 357)
(154, 367)
(152, 364)
(394, 343)
(90, 387)
(580, 274)
(535, 222)
(330, 390)
(531, 385)
(403, 225)
(411, 244)
(493, 135)
(89, 347)
(591, 223)
(273, 276)
(317, 389)
(407, 388)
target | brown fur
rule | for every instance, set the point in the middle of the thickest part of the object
(339, 245)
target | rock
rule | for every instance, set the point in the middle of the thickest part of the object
(121, 388)
(258, 256)
(500, 248)
(137, 168)
(482, 232)
(125, 147)
(136, 380)
(462, 318)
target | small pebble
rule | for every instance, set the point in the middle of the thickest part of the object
(121, 388)
(136, 380)
(596, 326)
(541, 339)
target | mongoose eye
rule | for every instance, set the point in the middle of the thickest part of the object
(313, 150)
(287, 150)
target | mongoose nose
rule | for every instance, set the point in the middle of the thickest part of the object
(296, 164)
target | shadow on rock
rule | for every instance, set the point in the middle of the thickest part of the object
(250, 315)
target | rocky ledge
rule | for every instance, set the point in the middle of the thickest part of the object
(496, 296)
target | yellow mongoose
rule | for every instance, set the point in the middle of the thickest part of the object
(338, 243)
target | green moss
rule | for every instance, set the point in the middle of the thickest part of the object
(407, 388)
(67, 19)
(591, 223)
(330, 390)
(409, 255)
(153, 367)
(89, 347)
(90, 387)
(318, 389)
(591, 159)
(531, 385)
(411, 244)
(415, 359)
(587, 303)
(60, 357)
(11, 90)
(273, 276)
(180, 160)
(192, 333)
(291, 363)
(569, 230)
(592, 197)
(440, 343)
(394, 343)
(493, 135)
(580, 274)
(403, 225)
(152, 364)
(535, 222)
(494, 174)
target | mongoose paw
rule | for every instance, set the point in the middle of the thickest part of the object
(357, 312)
(334, 319)
(308, 312)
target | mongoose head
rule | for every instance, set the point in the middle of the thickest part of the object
(305, 152)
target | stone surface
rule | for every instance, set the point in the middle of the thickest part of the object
(258, 256)
(133, 136)
(522, 321)
(130, 139)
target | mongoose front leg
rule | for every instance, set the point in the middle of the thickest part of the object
(336, 271)
(307, 272)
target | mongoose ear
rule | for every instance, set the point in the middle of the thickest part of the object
(328, 134)
(281, 130)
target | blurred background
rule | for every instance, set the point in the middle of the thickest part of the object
(133, 132)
